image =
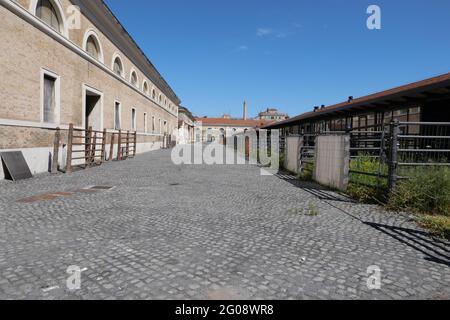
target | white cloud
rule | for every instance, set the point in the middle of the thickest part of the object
(241, 48)
(269, 32)
(261, 32)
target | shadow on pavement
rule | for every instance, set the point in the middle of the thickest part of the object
(434, 249)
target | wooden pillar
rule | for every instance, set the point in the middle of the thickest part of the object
(128, 144)
(135, 144)
(69, 149)
(55, 157)
(103, 146)
(87, 146)
(93, 149)
(111, 150)
(119, 146)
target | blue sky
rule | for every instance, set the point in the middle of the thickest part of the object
(287, 54)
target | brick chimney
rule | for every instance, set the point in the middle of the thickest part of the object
(245, 110)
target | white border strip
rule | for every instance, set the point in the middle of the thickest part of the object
(52, 126)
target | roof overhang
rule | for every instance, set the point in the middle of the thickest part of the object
(104, 19)
(432, 89)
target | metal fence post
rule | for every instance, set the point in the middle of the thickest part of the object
(393, 156)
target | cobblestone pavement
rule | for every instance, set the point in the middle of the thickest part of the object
(206, 232)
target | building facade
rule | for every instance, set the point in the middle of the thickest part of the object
(186, 123)
(217, 129)
(272, 114)
(62, 67)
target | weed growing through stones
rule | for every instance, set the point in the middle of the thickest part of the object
(311, 210)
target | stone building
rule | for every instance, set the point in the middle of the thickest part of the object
(186, 123)
(217, 129)
(272, 114)
(63, 66)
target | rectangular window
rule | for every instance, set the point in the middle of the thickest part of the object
(117, 120)
(165, 126)
(49, 102)
(133, 119)
(145, 122)
(153, 124)
(160, 127)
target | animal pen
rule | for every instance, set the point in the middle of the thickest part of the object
(385, 153)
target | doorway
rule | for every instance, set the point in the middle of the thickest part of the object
(92, 109)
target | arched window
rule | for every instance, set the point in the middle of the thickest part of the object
(134, 79)
(160, 98)
(118, 66)
(153, 94)
(92, 47)
(145, 87)
(46, 11)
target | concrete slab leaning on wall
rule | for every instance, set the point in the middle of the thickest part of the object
(332, 161)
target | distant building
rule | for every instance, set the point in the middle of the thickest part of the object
(272, 114)
(215, 129)
(186, 123)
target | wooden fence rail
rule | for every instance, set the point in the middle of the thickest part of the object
(89, 142)
(88, 147)
(126, 145)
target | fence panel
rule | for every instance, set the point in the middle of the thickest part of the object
(368, 156)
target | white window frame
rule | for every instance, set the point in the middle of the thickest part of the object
(91, 32)
(116, 102)
(133, 120)
(59, 12)
(45, 72)
(116, 55)
(86, 88)
(145, 82)
(160, 126)
(133, 71)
